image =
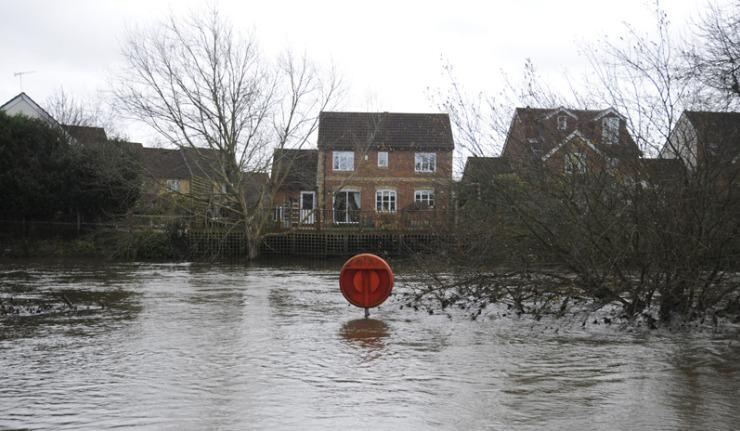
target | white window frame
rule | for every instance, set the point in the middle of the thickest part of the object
(386, 206)
(173, 185)
(425, 162)
(382, 159)
(347, 211)
(424, 196)
(562, 122)
(343, 161)
(610, 130)
(575, 163)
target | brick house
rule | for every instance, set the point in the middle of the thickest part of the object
(374, 166)
(570, 141)
(294, 181)
(379, 170)
(559, 141)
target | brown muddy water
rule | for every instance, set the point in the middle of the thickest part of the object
(234, 347)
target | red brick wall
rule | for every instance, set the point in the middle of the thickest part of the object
(594, 160)
(399, 175)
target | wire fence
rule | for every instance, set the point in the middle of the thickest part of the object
(356, 220)
(317, 233)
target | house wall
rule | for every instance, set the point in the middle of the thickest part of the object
(158, 186)
(594, 160)
(20, 106)
(400, 176)
(682, 142)
(536, 125)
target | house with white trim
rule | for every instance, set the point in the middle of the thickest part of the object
(569, 141)
(370, 169)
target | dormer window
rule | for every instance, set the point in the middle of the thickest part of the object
(610, 130)
(562, 122)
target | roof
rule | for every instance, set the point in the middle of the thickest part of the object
(180, 164)
(478, 169)
(720, 128)
(295, 170)
(14, 107)
(538, 127)
(23, 104)
(385, 131)
(86, 135)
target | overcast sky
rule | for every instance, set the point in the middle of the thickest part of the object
(388, 53)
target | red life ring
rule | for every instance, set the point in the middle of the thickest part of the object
(366, 280)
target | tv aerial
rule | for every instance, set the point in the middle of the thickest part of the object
(19, 75)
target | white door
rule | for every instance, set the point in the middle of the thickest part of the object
(308, 208)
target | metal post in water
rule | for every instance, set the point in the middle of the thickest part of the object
(367, 312)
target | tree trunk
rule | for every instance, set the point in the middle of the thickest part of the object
(254, 242)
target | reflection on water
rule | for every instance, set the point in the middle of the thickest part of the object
(192, 346)
(368, 333)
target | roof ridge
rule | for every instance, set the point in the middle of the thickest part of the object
(383, 113)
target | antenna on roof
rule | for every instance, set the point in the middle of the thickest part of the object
(20, 77)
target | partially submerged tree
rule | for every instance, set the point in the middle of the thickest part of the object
(643, 238)
(201, 85)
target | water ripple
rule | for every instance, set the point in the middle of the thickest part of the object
(192, 346)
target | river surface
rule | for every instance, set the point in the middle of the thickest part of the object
(276, 347)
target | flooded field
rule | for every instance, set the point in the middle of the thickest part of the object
(267, 346)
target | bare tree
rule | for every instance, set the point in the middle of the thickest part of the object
(636, 238)
(481, 120)
(204, 87)
(716, 60)
(70, 111)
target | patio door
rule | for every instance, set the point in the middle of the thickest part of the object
(347, 207)
(308, 208)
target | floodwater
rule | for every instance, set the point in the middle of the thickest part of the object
(234, 347)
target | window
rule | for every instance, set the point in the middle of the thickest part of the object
(425, 162)
(385, 201)
(424, 198)
(347, 207)
(575, 163)
(610, 130)
(173, 185)
(536, 146)
(562, 122)
(382, 159)
(344, 160)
